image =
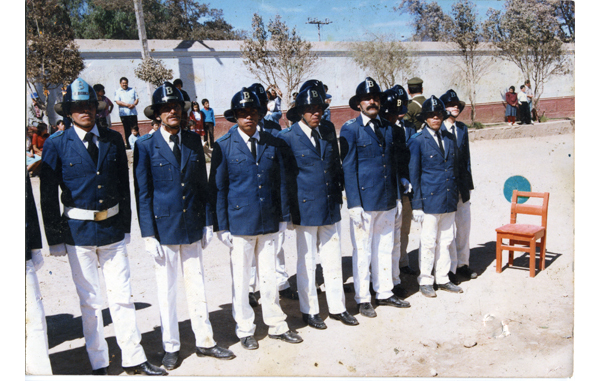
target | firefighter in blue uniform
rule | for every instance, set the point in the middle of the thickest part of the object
(313, 167)
(89, 165)
(171, 188)
(460, 248)
(369, 150)
(250, 203)
(433, 172)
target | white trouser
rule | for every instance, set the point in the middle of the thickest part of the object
(323, 240)
(37, 361)
(113, 261)
(436, 237)
(166, 270)
(405, 230)
(282, 275)
(263, 248)
(460, 249)
(374, 245)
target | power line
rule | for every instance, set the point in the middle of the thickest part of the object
(319, 23)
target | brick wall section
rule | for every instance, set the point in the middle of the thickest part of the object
(486, 113)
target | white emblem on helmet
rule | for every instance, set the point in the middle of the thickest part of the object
(314, 93)
(246, 95)
(370, 83)
(433, 102)
(399, 103)
(168, 90)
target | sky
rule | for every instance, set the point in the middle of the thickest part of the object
(351, 19)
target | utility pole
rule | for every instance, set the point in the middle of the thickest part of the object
(318, 23)
(139, 16)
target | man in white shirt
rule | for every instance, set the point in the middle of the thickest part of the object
(126, 98)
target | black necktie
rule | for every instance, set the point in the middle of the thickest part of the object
(176, 150)
(439, 139)
(315, 135)
(454, 130)
(91, 148)
(253, 147)
(377, 131)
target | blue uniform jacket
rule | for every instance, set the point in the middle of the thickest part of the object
(409, 129)
(33, 235)
(249, 195)
(172, 200)
(313, 177)
(67, 164)
(370, 173)
(432, 176)
(465, 179)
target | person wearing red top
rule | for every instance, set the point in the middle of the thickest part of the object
(511, 105)
(196, 119)
(39, 138)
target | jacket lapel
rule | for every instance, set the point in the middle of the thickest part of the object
(241, 145)
(78, 147)
(103, 146)
(164, 150)
(433, 141)
(186, 150)
(302, 138)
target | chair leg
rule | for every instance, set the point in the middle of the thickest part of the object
(498, 254)
(511, 254)
(543, 254)
(532, 250)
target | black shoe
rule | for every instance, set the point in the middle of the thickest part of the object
(314, 321)
(100, 372)
(371, 289)
(428, 291)
(345, 318)
(289, 337)
(408, 270)
(145, 368)
(253, 300)
(393, 301)
(288, 293)
(170, 359)
(450, 287)
(467, 272)
(453, 278)
(366, 309)
(399, 291)
(249, 342)
(216, 352)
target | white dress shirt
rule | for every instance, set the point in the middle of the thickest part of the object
(432, 132)
(167, 137)
(81, 133)
(366, 121)
(247, 138)
(308, 131)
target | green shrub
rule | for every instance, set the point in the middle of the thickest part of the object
(543, 118)
(477, 125)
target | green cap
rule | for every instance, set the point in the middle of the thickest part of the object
(415, 81)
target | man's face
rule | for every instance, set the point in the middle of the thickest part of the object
(247, 119)
(434, 120)
(369, 105)
(453, 109)
(170, 114)
(83, 114)
(124, 84)
(312, 115)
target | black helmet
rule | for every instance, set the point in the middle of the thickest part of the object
(245, 98)
(451, 97)
(308, 96)
(316, 84)
(403, 97)
(260, 91)
(368, 86)
(432, 104)
(78, 91)
(390, 102)
(166, 93)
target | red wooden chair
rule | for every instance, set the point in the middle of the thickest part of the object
(523, 234)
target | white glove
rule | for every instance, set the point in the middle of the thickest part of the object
(58, 250)
(153, 247)
(398, 208)
(407, 186)
(282, 226)
(206, 236)
(127, 238)
(418, 215)
(226, 238)
(356, 215)
(37, 259)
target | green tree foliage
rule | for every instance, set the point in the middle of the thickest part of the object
(429, 20)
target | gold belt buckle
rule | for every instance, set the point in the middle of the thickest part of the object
(101, 215)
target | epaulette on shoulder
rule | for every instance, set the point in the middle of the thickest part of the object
(224, 137)
(350, 121)
(57, 134)
(145, 137)
(285, 130)
(417, 134)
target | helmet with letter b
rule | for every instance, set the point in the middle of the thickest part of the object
(78, 92)
(432, 105)
(166, 93)
(245, 98)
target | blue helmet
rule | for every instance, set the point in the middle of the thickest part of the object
(166, 93)
(310, 95)
(318, 85)
(432, 104)
(244, 98)
(368, 86)
(78, 91)
(403, 97)
(450, 97)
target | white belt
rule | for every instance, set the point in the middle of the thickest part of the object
(91, 215)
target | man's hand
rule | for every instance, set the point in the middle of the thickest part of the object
(398, 208)
(356, 215)
(282, 226)
(206, 236)
(37, 259)
(407, 186)
(226, 238)
(418, 215)
(58, 250)
(127, 238)
(153, 247)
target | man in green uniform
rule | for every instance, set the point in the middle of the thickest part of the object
(415, 89)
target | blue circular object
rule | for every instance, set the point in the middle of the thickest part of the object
(519, 183)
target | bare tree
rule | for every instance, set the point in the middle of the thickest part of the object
(277, 55)
(385, 58)
(429, 20)
(464, 33)
(528, 34)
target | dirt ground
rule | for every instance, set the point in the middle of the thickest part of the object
(453, 335)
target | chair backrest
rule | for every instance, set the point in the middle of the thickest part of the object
(536, 210)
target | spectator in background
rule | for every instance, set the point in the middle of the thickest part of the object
(196, 119)
(529, 93)
(103, 117)
(135, 134)
(155, 126)
(60, 125)
(33, 161)
(511, 105)
(178, 83)
(209, 123)
(327, 113)
(274, 105)
(39, 137)
(126, 98)
(524, 112)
